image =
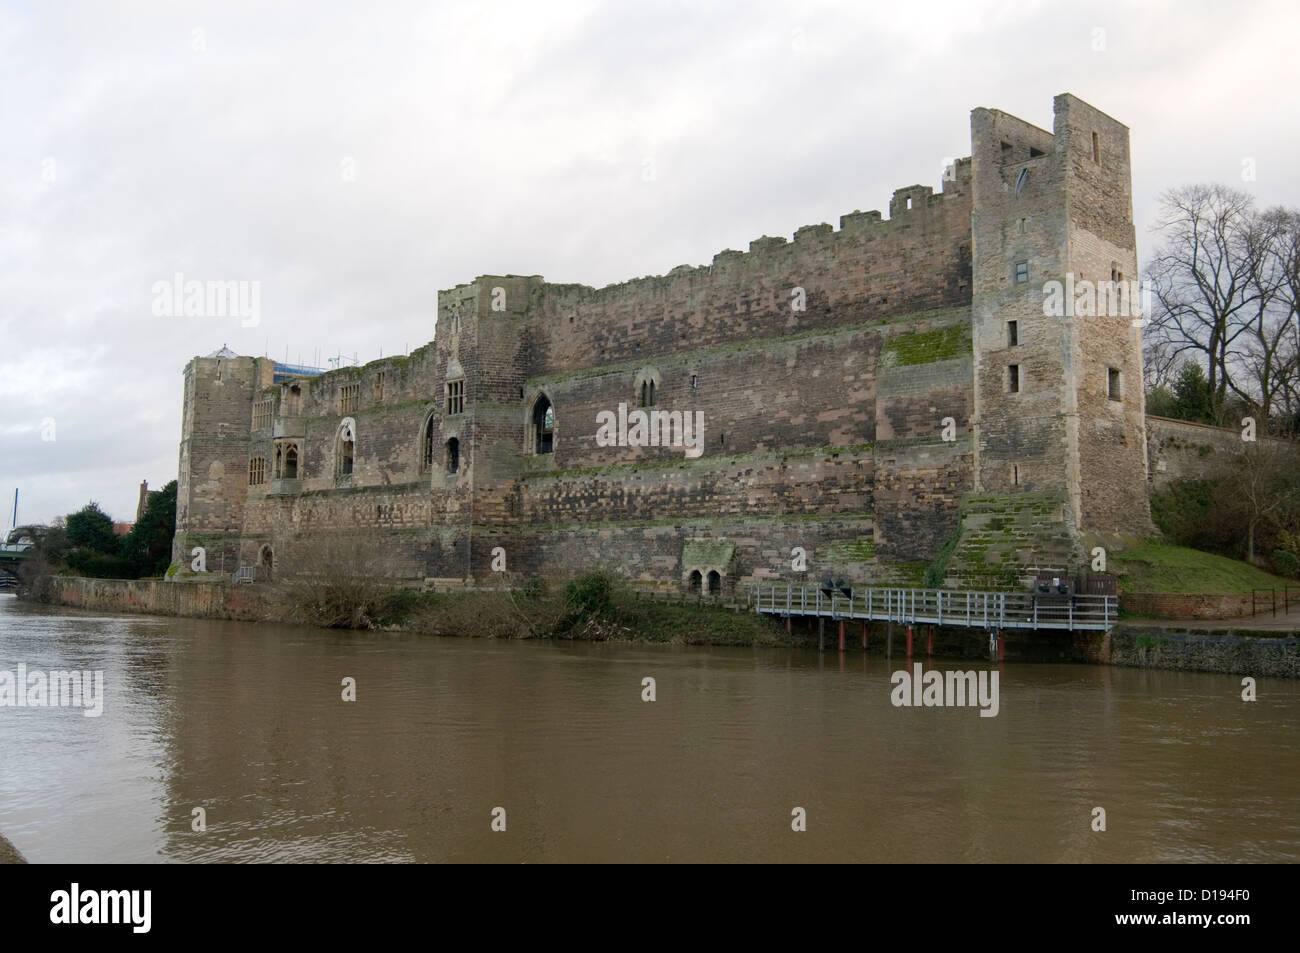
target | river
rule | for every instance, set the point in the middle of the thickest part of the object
(248, 723)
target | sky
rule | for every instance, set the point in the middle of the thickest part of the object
(353, 159)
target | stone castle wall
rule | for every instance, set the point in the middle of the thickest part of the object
(850, 384)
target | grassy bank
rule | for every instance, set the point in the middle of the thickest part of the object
(1156, 567)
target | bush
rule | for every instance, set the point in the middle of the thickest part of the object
(1285, 564)
(590, 595)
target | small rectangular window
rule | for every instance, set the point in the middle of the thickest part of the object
(455, 397)
(1096, 148)
(1113, 389)
(1022, 272)
(379, 386)
(1013, 333)
(1013, 378)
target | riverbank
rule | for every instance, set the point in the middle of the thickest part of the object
(9, 853)
(594, 608)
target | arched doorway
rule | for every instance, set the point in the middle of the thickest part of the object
(715, 582)
(543, 426)
(695, 580)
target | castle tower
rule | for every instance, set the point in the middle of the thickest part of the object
(479, 421)
(212, 476)
(1059, 408)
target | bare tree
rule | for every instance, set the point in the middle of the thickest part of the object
(1265, 478)
(338, 580)
(1202, 278)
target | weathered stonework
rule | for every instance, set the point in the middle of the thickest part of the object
(850, 384)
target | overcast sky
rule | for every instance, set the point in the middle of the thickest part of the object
(356, 158)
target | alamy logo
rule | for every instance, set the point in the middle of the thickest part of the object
(103, 906)
(59, 689)
(209, 299)
(935, 689)
(1102, 299)
(654, 428)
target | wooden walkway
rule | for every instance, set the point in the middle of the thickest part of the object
(992, 611)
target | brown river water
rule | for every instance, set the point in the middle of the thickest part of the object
(248, 723)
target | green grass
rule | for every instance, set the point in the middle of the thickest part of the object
(1156, 567)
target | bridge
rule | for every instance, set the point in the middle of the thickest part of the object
(11, 557)
(994, 612)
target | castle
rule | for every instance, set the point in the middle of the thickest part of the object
(868, 403)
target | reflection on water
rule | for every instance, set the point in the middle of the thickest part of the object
(248, 722)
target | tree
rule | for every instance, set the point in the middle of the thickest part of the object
(1225, 282)
(1265, 480)
(147, 548)
(1193, 399)
(90, 528)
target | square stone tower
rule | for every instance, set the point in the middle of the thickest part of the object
(1059, 407)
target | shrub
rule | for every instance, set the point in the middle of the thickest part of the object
(1285, 564)
(592, 594)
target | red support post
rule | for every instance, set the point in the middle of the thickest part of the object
(1002, 646)
(909, 641)
(841, 635)
(789, 624)
(929, 641)
(864, 636)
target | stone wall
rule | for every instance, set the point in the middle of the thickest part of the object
(209, 600)
(1179, 450)
(1177, 605)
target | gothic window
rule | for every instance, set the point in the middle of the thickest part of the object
(348, 398)
(426, 450)
(346, 449)
(543, 426)
(291, 463)
(453, 455)
(256, 471)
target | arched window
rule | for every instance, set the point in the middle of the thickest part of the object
(426, 449)
(291, 463)
(647, 381)
(543, 426)
(279, 462)
(346, 449)
(695, 580)
(453, 455)
(715, 582)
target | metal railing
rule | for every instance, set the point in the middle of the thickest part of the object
(1259, 602)
(987, 610)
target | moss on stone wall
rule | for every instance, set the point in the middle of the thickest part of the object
(926, 347)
